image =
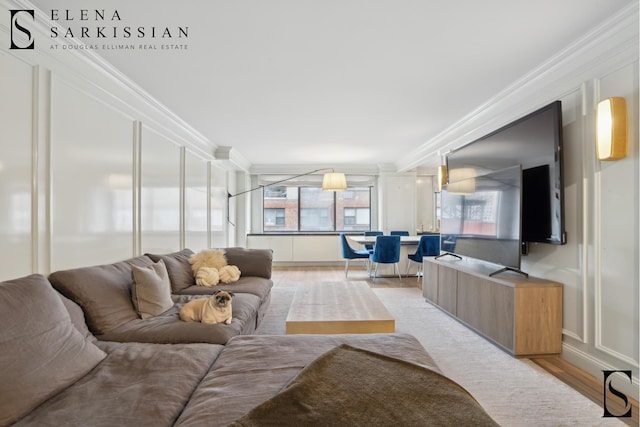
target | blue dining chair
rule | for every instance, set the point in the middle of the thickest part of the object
(399, 233)
(386, 251)
(429, 245)
(371, 233)
(448, 243)
(348, 253)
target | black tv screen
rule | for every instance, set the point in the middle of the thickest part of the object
(480, 217)
(535, 143)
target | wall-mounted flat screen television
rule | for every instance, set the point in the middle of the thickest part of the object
(480, 217)
(535, 143)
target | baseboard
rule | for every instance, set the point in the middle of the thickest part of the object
(594, 367)
(312, 264)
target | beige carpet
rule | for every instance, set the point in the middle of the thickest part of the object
(516, 392)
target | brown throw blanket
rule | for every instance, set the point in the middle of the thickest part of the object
(353, 387)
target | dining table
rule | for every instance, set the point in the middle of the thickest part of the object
(370, 240)
(408, 245)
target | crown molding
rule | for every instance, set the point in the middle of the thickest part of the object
(230, 159)
(353, 169)
(612, 44)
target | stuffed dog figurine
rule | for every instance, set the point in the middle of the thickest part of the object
(216, 309)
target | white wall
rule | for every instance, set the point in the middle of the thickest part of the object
(425, 203)
(160, 193)
(397, 202)
(92, 169)
(91, 178)
(16, 214)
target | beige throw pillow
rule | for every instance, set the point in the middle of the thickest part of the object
(151, 290)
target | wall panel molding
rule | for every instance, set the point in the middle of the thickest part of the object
(183, 226)
(137, 187)
(615, 264)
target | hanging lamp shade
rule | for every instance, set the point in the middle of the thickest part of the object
(334, 181)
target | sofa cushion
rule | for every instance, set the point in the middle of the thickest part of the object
(135, 385)
(77, 317)
(258, 286)
(151, 289)
(41, 351)
(251, 262)
(178, 267)
(103, 292)
(169, 329)
(361, 387)
(252, 369)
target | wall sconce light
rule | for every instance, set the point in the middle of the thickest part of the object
(442, 174)
(442, 178)
(611, 129)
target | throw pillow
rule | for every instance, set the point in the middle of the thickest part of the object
(179, 268)
(151, 290)
(41, 351)
(103, 292)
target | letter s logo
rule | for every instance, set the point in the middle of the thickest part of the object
(18, 29)
(615, 392)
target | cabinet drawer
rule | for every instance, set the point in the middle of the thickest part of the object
(487, 307)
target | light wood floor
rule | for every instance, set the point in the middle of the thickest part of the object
(581, 381)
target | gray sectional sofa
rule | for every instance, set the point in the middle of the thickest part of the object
(104, 293)
(75, 354)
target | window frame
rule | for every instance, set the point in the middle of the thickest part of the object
(333, 211)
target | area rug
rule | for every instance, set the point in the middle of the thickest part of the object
(514, 392)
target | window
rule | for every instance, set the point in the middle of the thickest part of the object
(274, 217)
(357, 216)
(309, 209)
(353, 209)
(275, 192)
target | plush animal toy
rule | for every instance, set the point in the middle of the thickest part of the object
(207, 276)
(214, 258)
(210, 267)
(229, 274)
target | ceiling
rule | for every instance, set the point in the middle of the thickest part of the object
(339, 82)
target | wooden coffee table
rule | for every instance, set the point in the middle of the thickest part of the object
(337, 308)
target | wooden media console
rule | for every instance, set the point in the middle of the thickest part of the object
(522, 315)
